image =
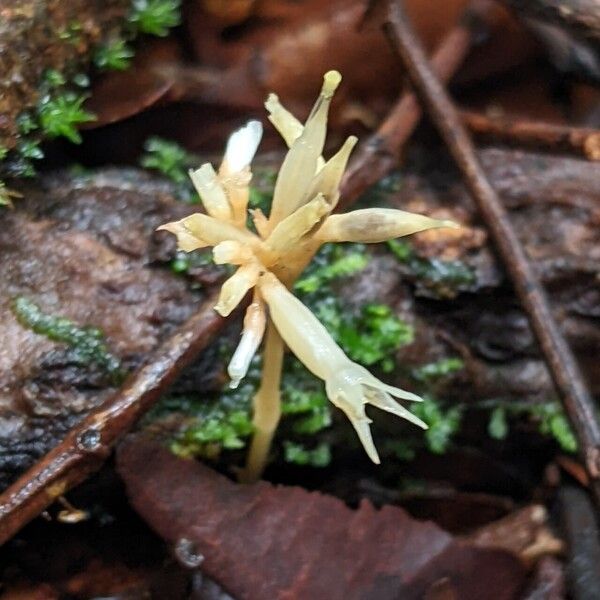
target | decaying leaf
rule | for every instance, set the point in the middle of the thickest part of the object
(261, 541)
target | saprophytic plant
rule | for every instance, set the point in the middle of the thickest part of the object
(270, 260)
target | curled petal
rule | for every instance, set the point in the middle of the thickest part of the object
(300, 163)
(372, 225)
(232, 253)
(211, 192)
(241, 148)
(252, 334)
(186, 241)
(288, 232)
(327, 180)
(236, 287)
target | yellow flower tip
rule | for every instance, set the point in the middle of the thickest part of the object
(331, 80)
(450, 224)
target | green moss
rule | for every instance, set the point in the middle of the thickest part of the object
(374, 336)
(498, 423)
(174, 162)
(443, 423)
(549, 417)
(72, 32)
(166, 157)
(440, 278)
(87, 343)
(436, 370)
(333, 261)
(60, 115)
(115, 55)
(155, 17)
(298, 454)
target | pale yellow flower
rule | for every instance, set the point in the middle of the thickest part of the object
(268, 261)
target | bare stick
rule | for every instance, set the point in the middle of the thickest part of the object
(521, 132)
(561, 362)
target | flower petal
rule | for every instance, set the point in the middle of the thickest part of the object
(287, 233)
(252, 334)
(186, 241)
(300, 163)
(385, 402)
(211, 192)
(306, 337)
(241, 148)
(372, 225)
(236, 287)
(213, 231)
(327, 180)
(232, 252)
(284, 121)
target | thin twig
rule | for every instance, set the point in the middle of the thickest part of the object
(379, 154)
(89, 443)
(518, 131)
(561, 362)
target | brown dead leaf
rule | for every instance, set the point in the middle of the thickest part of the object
(263, 541)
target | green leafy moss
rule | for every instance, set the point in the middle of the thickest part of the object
(374, 336)
(87, 343)
(498, 423)
(174, 162)
(441, 278)
(115, 55)
(443, 423)
(155, 17)
(436, 370)
(71, 33)
(166, 157)
(298, 454)
(60, 115)
(549, 417)
(331, 262)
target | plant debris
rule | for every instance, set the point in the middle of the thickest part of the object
(304, 545)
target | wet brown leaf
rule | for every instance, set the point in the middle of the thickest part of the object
(263, 541)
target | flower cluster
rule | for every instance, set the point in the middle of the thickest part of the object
(268, 261)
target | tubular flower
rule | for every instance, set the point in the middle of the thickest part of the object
(268, 261)
(349, 386)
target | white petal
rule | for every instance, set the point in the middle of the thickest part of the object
(284, 121)
(213, 231)
(211, 193)
(236, 287)
(385, 402)
(242, 146)
(306, 337)
(232, 252)
(300, 163)
(186, 241)
(373, 225)
(290, 231)
(252, 334)
(327, 180)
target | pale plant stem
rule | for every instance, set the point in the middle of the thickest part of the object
(267, 406)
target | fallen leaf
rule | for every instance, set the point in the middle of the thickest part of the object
(263, 541)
